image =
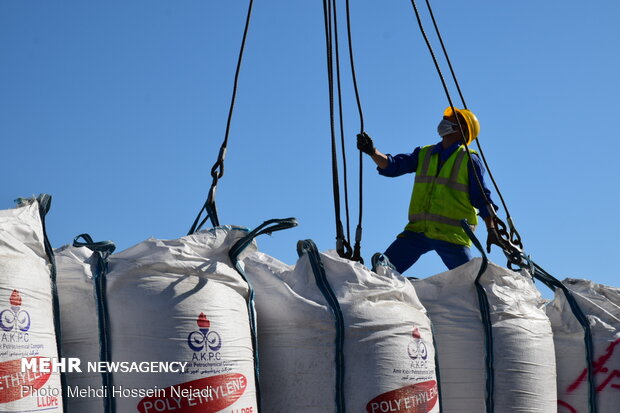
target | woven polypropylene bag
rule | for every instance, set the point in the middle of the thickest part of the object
(80, 272)
(178, 301)
(601, 306)
(522, 358)
(386, 342)
(27, 325)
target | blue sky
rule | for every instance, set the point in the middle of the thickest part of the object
(117, 109)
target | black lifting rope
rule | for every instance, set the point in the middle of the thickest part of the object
(343, 244)
(358, 232)
(217, 171)
(513, 248)
(513, 239)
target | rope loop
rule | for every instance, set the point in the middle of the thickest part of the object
(217, 171)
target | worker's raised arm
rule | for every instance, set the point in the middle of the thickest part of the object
(365, 144)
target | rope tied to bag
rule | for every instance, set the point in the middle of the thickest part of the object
(217, 171)
(509, 236)
(343, 243)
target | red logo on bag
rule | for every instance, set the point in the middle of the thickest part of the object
(15, 299)
(17, 384)
(203, 321)
(415, 398)
(207, 395)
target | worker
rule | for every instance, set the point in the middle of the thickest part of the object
(445, 192)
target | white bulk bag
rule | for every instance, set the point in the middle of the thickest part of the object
(601, 306)
(182, 301)
(332, 333)
(523, 363)
(80, 271)
(27, 301)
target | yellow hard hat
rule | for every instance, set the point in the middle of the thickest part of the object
(473, 126)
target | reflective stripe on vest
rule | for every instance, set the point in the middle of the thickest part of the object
(451, 182)
(440, 199)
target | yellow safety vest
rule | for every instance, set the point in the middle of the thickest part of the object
(440, 199)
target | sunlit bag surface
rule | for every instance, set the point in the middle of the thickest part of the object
(331, 332)
(522, 358)
(601, 306)
(27, 325)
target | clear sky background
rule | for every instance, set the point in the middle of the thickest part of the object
(118, 109)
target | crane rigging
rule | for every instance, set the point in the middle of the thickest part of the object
(343, 244)
(511, 240)
(209, 209)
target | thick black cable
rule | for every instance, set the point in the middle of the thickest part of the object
(217, 171)
(447, 92)
(352, 62)
(445, 52)
(511, 242)
(357, 255)
(345, 181)
(342, 246)
(458, 88)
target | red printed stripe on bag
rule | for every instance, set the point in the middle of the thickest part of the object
(207, 395)
(16, 384)
(415, 398)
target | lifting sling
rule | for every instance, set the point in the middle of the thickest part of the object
(511, 240)
(217, 171)
(343, 244)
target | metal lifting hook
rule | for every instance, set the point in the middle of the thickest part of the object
(511, 243)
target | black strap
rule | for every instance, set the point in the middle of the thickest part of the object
(217, 171)
(309, 247)
(485, 313)
(104, 247)
(102, 250)
(266, 227)
(553, 283)
(44, 202)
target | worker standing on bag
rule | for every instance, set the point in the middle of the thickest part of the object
(445, 192)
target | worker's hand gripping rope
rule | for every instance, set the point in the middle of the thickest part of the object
(365, 144)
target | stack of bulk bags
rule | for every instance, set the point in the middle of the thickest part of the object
(27, 308)
(601, 306)
(335, 337)
(81, 270)
(494, 341)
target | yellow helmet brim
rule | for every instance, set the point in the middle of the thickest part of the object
(473, 126)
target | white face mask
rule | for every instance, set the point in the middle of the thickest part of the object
(446, 127)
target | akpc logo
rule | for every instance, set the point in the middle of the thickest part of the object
(15, 319)
(417, 349)
(205, 339)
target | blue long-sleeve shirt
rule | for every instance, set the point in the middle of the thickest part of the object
(405, 163)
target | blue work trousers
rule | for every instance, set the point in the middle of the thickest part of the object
(409, 247)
